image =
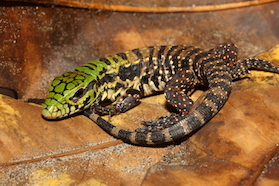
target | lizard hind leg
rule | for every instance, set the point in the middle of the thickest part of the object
(178, 90)
(177, 93)
(258, 64)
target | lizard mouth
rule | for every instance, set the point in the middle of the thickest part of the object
(53, 112)
(49, 114)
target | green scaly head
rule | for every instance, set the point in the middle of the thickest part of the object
(70, 93)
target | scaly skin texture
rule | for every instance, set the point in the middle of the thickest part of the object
(125, 77)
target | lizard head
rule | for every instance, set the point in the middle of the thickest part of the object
(70, 93)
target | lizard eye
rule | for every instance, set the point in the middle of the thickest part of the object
(79, 93)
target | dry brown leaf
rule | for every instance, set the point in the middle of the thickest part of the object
(40, 42)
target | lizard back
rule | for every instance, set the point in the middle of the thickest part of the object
(145, 69)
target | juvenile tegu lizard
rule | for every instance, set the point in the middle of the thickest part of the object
(125, 77)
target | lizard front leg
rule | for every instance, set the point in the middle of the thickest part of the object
(124, 103)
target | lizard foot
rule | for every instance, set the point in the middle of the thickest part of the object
(160, 124)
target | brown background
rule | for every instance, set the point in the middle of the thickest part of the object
(41, 41)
